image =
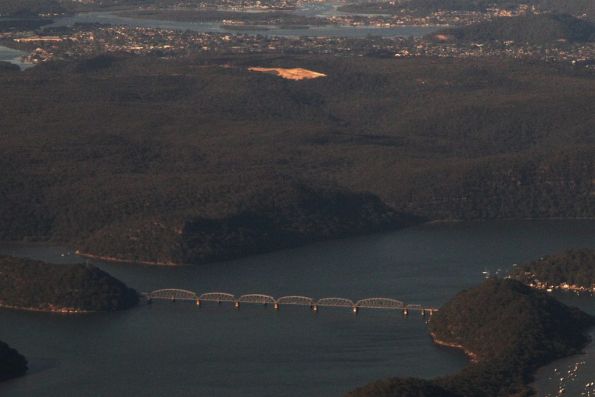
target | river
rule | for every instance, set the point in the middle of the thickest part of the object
(13, 56)
(109, 18)
(177, 349)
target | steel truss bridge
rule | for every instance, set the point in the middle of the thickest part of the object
(173, 295)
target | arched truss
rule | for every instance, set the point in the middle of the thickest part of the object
(380, 303)
(335, 302)
(173, 294)
(257, 298)
(217, 297)
(296, 300)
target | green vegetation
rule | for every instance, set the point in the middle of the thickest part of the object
(573, 267)
(510, 328)
(273, 217)
(12, 363)
(532, 29)
(34, 285)
(187, 150)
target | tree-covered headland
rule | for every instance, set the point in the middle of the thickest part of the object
(508, 328)
(12, 363)
(572, 269)
(34, 285)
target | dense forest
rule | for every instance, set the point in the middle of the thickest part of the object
(185, 160)
(34, 285)
(574, 267)
(532, 29)
(12, 363)
(510, 328)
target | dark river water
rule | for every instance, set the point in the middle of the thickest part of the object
(13, 56)
(177, 349)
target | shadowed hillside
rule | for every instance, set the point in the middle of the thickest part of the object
(12, 363)
(34, 285)
(187, 161)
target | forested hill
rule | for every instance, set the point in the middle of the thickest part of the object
(575, 267)
(274, 214)
(510, 328)
(187, 161)
(12, 363)
(531, 29)
(34, 285)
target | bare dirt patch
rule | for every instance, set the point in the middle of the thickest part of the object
(290, 74)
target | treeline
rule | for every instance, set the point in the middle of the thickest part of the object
(532, 29)
(12, 363)
(178, 160)
(35, 285)
(574, 267)
(511, 329)
(288, 215)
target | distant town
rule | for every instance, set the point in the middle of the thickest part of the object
(89, 40)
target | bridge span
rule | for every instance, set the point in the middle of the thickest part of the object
(173, 295)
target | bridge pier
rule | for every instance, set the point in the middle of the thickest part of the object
(174, 295)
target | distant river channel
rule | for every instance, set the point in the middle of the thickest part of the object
(13, 56)
(177, 349)
(215, 27)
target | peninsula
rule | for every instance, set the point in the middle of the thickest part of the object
(571, 270)
(37, 286)
(508, 329)
(12, 363)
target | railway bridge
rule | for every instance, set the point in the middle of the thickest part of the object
(173, 295)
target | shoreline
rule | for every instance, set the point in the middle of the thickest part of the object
(470, 355)
(564, 288)
(113, 259)
(540, 377)
(128, 261)
(63, 310)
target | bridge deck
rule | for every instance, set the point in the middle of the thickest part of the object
(173, 294)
